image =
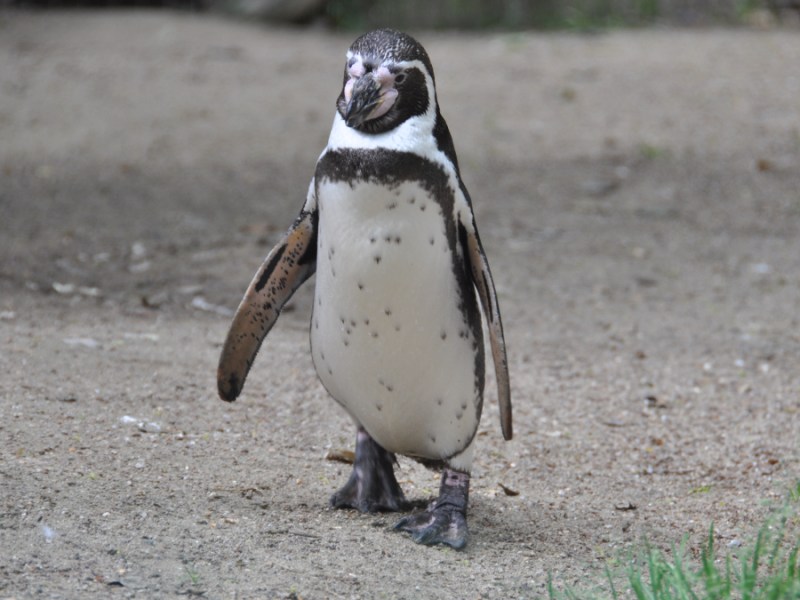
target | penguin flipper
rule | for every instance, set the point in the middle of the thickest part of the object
(482, 278)
(291, 262)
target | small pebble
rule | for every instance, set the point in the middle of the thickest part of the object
(48, 532)
(84, 342)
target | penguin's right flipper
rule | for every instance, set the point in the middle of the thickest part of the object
(287, 266)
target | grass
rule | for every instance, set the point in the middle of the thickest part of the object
(194, 576)
(766, 569)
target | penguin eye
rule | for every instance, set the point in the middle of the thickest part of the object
(400, 78)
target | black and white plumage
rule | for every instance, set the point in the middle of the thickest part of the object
(396, 332)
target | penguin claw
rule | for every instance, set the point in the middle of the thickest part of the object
(379, 496)
(442, 524)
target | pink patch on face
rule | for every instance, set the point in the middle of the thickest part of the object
(384, 76)
(356, 70)
(387, 100)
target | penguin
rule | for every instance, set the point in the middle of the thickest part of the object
(396, 330)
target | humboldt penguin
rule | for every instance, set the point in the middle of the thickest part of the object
(396, 330)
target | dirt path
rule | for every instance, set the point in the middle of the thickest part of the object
(638, 196)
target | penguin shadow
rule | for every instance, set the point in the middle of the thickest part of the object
(497, 524)
(495, 521)
(514, 523)
(488, 526)
(380, 517)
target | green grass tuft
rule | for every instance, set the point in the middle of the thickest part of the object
(767, 569)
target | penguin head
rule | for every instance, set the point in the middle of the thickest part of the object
(388, 79)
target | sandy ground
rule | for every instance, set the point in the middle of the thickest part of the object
(639, 199)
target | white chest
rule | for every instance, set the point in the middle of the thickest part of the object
(390, 338)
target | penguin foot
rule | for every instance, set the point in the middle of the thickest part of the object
(372, 486)
(445, 520)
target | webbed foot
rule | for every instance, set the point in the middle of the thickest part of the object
(445, 520)
(372, 486)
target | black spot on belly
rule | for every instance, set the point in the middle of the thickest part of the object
(432, 438)
(387, 311)
(360, 285)
(374, 334)
(443, 334)
(397, 239)
(377, 258)
(366, 321)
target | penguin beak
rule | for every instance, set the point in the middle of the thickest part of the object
(365, 95)
(368, 97)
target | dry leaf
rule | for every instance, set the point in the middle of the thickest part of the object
(345, 456)
(508, 490)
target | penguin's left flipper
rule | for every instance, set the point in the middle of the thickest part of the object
(482, 278)
(291, 262)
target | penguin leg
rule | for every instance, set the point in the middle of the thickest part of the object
(445, 520)
(372, 486)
